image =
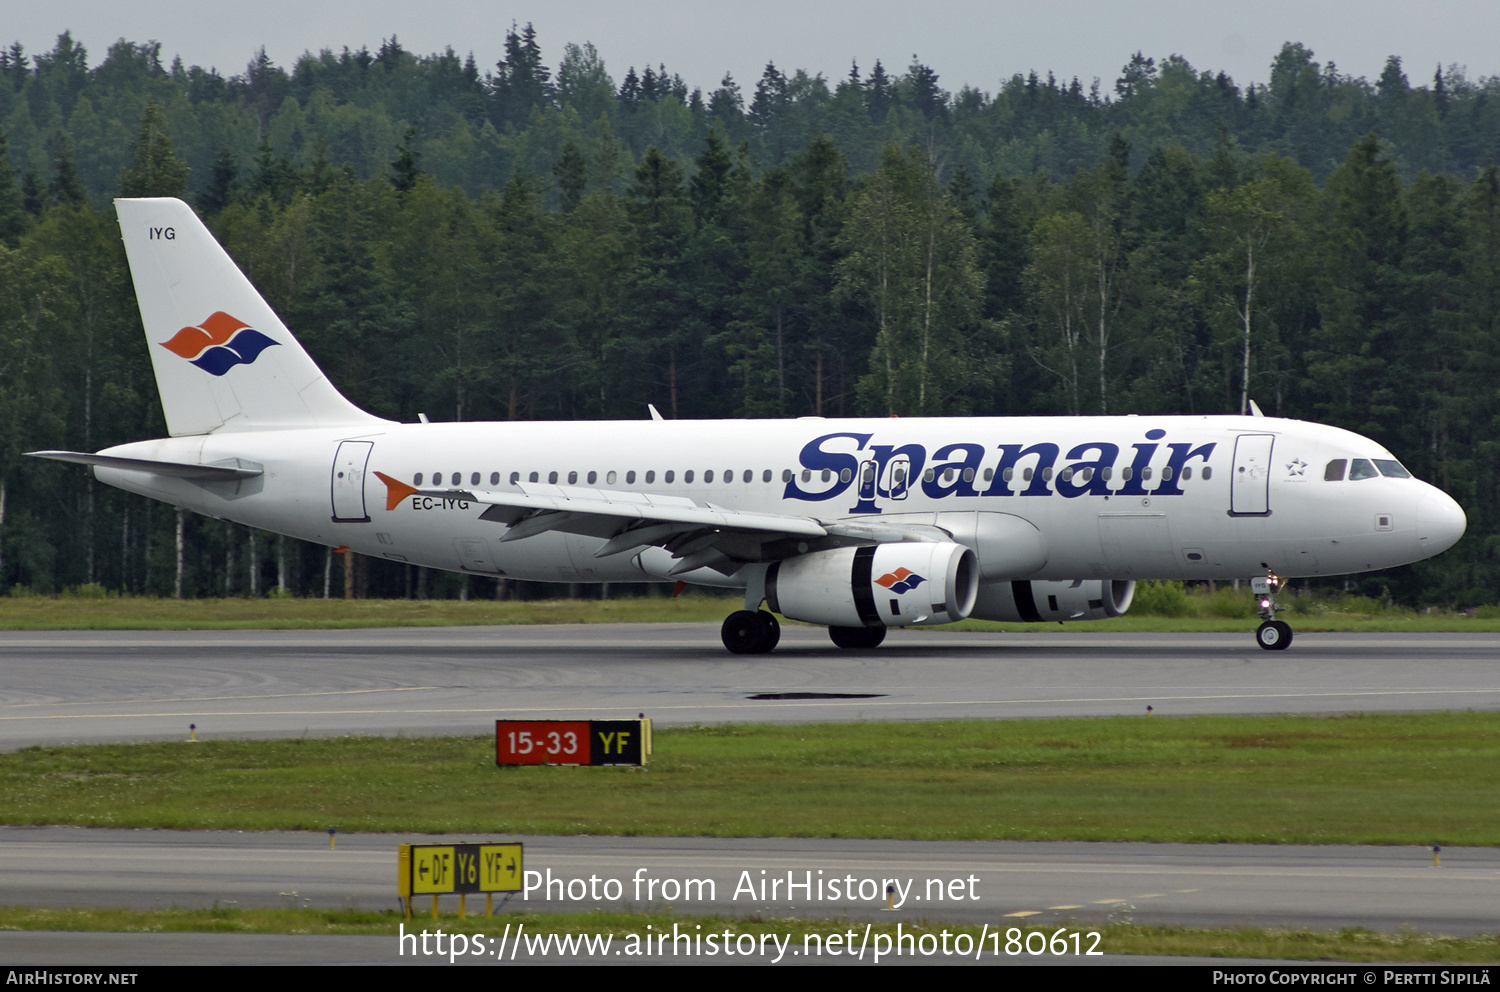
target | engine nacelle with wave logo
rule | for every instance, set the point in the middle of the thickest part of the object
(1037, 601)
(891, 585)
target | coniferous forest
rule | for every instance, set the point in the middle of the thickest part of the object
(533, 241)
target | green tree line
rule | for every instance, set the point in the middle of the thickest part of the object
(539, 244)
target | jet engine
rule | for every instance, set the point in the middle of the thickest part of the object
(1037, 600)
(891, 585)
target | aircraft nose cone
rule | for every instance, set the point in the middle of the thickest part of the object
(1440, 522)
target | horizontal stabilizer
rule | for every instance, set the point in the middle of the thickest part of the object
(227, 471)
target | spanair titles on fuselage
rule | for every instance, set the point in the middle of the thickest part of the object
(880, 474)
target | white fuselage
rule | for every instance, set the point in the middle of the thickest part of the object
(1110, 497)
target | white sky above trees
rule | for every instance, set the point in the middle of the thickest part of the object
(965, 41)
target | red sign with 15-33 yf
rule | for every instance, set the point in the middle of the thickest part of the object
(572, 742)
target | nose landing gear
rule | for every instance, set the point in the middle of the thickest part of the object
(1272, 634)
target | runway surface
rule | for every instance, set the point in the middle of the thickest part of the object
(88, 686)
(115, 686)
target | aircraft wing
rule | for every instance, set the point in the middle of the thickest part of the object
(698, 534)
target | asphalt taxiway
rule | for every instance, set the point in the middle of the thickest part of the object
(1067, 887)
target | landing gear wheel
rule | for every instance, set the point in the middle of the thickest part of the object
(772, 629)
(1274, 635)
(750, 632)
(857, 637)
(1286, 634)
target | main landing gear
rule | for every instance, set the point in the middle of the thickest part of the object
(757, 632)
(1272, 634)
(750, 632)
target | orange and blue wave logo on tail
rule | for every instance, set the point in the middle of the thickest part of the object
(219, 343)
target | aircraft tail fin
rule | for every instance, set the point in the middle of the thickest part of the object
(223, 360)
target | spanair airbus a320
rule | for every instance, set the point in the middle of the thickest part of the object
(860, 525)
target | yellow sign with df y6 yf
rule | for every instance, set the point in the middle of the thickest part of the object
(440, 869)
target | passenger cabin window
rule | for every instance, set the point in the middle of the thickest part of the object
(474, 479)
(708, 476)
(786, 475)
(552, 478)
(494, 478)
(609, 479)
(669, 476)
(630, 477)
(764, 476)
(1208, 472)
(1187, 472)
(750, 475)
(533, 477)
(457, 478)
(1335, 470)
(1361, 468)
(651, 476)
(572, 478)
(686, 476)
(515, 477)
(417, 479)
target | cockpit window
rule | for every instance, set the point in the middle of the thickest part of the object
(1335, 470)
(1361, 468)
(1391, 469)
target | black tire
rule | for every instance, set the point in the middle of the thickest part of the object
(857, 637)
(772, 630)
(1272, 635)
(744, 633)
(1286, 634)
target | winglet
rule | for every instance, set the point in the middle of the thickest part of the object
(655, 413)
(395, 491)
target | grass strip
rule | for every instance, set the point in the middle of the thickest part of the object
(1417, 779)
(1156, 611)
(149, 613)
(1355, 944)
